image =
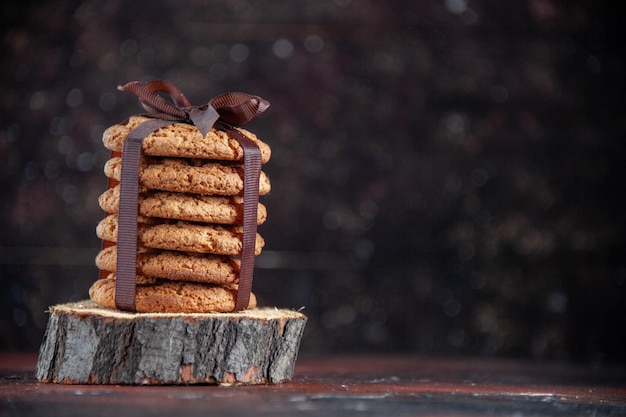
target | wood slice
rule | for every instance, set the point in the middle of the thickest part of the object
(87, 344)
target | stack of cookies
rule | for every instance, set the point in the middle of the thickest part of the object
(189, 219)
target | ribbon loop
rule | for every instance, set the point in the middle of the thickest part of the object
(169, 88)
(224, 111)
(237, 109)
(154, 103)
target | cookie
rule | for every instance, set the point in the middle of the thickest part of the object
(180, 206)
(139, 279)
(181, 236)
(174, 265)
(165, 296)
(183, 140)
(193, 176)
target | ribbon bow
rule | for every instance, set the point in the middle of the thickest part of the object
(225, 111)
(235, 109)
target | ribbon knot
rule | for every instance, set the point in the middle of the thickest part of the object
(226, 110)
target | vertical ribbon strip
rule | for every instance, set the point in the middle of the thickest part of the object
(252, 171)
(126, 268)
(228, 109)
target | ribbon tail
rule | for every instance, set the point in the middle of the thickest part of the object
(204, 118)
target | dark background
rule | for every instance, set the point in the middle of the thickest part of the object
(448, 176)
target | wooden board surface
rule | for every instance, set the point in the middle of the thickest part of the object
(361, 385)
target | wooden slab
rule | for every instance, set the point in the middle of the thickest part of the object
(87, 344)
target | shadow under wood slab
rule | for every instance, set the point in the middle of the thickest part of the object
(87, 344)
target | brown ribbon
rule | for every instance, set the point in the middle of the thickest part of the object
(224, 112)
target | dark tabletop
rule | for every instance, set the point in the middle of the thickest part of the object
(341, 385)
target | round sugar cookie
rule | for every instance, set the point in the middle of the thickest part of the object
(183, 140)
(181, 236)
(174, 265)
(188, 176)
(180, 206)
(165, 296)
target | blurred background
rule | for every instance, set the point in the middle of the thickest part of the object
(448, 175)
